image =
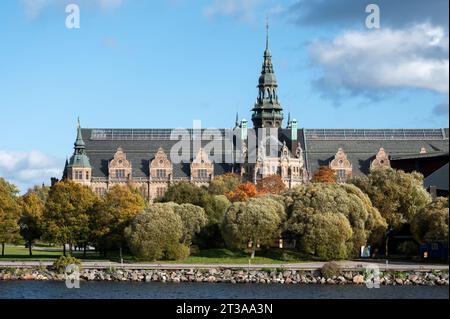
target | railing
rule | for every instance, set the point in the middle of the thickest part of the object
(375, 134)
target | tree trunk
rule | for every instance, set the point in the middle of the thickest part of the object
(30, 251)
(84, 251)
(3, 249)
(120, 254)
(64, 250)
(70, 249)
(253, 252)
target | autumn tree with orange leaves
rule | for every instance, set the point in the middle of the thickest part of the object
(242, 193)
(324, 175)
(272, 184)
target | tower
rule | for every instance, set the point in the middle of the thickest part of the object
(79, 169)
(267, 111)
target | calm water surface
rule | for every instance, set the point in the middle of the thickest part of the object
(110, 290)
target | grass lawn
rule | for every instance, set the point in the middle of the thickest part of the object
(208, 256)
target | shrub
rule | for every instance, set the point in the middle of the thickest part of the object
(330, 270)
(62, 262)
(177, 252)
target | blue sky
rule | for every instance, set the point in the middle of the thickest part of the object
(164, 63)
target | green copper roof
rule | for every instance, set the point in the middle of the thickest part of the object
(79, 157)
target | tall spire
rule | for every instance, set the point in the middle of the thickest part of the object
(79, 157)
(79, 143)
(267, 111)
(236, 123)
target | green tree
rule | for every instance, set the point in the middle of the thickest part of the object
(397, 195)
(113, 213)
(32, 211)
(187, 193)
(254, 223)
(326, 236)
(431, 222)
(224, 183)
(67, 214)
(156, 233)
(9, 214)
(304, 202)
(193, 219)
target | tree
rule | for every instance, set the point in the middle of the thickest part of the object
(272, 184)
(113, 213)
(9, 214)
(430, 224)
(67, 214)
(32, 211)
(397, 195)
(304, 202)
(324, 175)
(187, 193)
(242, 193)
(253, 223)
(326, 236)
(156, 233)
(224, 183)
(193, 219)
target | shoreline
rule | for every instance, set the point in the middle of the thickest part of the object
(272, 275)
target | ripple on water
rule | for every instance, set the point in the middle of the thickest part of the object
(127, 290)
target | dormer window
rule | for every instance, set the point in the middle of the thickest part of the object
(161, 173)
(120, 173)
(202, 173)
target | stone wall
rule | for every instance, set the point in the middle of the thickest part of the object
(229, 275)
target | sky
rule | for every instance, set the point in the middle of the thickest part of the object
(165, 63)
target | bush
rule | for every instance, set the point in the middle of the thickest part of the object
(330, 270)
(62, 262)
(177, 252)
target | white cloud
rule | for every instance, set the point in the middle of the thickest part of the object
(414, 57)
(26, 169)
(34, 8)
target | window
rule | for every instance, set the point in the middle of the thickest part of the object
(202, 173)
(160, 191)
(78, 175)
(341, 175)
(161, 173)
(87, 175)
(120, 173)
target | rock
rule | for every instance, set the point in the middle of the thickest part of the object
(323, 280)
(27, 277)
(227, 273)
(148, 278)
(358, 279)
(287, 273)
(399, 281)
(331, 281)
(176, 279)
(413, 278)
(288, 280)
(211, 279)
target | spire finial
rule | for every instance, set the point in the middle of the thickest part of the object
(267, 32)
(78, 122)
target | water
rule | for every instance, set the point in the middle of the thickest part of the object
(126, 290)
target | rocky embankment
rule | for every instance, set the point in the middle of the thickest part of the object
(263, 276)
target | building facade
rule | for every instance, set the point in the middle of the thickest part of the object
(149, 160)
